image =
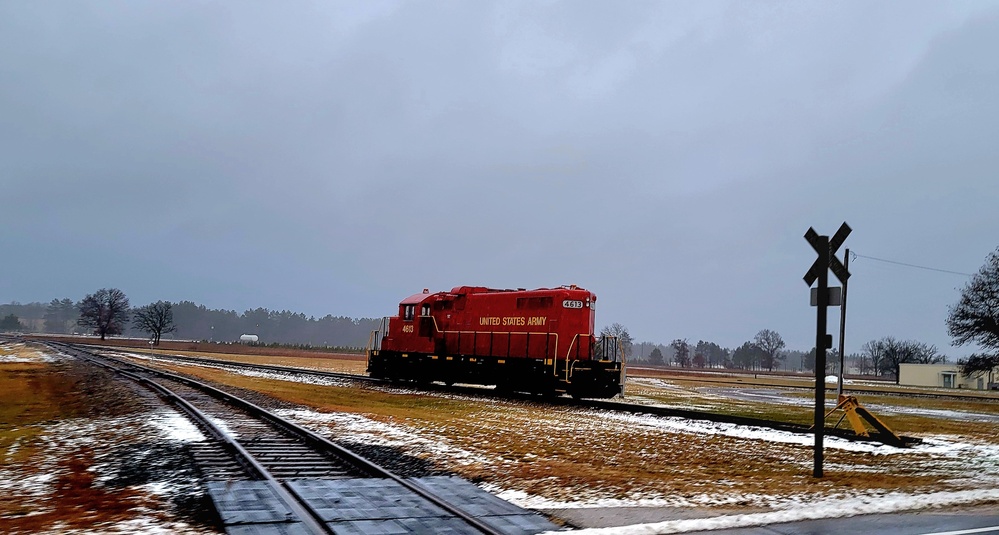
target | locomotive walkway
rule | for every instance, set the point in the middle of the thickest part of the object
(268, 475)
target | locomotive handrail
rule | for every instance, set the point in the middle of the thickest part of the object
(568, 352)
(370, 348)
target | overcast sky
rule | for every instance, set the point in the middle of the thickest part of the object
(336, 157)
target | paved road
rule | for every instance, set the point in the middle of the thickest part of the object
(983, 522)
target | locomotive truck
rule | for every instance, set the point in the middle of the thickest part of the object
(539, 341)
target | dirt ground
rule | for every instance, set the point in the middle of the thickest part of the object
(560, 458)
(78, 439)
(78, 453)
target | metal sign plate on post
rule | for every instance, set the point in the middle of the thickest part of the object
(834, 296)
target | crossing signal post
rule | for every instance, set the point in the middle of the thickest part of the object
(826, 248)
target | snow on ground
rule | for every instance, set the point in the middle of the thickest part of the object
(89, 433)
(247, 372)
(778, 395)
(176, 427)
(11, 352)
(144, 526)
(941, 414)
(977, 463)
(943, 449)
(683, 425)
(361, 429)
(792, 511)
(96, 440)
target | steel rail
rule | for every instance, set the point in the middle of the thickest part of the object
(309, 517)
(701, 377)
(358, 461)
(632, 408)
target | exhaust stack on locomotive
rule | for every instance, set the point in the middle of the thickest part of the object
(539, 341)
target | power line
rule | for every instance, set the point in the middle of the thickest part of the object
(855, 255)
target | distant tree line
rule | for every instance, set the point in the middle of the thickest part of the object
(973, 320)
(766, 352)
(107, 312)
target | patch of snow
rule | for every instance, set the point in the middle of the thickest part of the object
(795, 511)
(147, 525)
(582, 501)
(674, 424)
(358, 428)
(176, 427)
(20, 353)
(978, 463)
(303, 378)
(942, 414)
(224, 427)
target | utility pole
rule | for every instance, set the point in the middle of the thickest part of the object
(842, 327)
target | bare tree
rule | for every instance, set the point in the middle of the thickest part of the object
(975, 319)
(155, 319)
(770, 344)
(105, 311)
(623, 337)
(894, 353)
(875, 351)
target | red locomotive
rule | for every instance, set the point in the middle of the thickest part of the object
(537, 341)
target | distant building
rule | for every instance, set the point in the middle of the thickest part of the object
(248, 338)
(942, 375)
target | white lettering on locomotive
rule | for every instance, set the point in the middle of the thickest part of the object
(514, 321)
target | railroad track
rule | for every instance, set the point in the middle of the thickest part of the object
(698, 378)
(811, 387)
(619, 406)
(267, 474)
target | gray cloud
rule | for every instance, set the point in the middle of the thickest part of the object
(337, 157)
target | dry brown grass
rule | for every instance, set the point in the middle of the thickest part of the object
(568, 454)
(325, 362)
(78, 502)
(49, 477)
(215, 348)
(27, 393)
(32, 397)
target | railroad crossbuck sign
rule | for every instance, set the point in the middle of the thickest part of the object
(835, 265)
(826, 248)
